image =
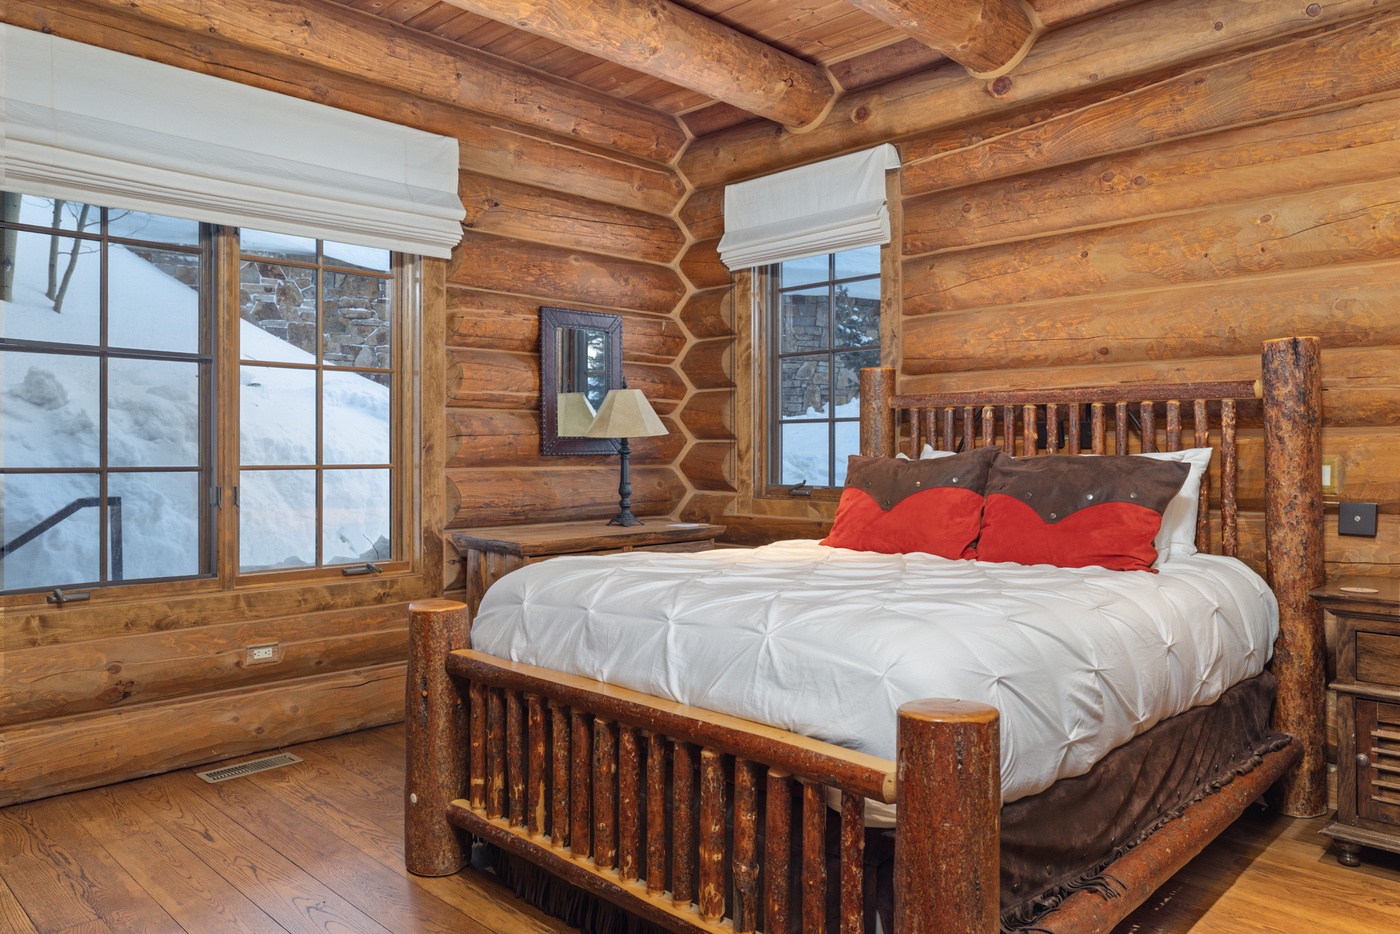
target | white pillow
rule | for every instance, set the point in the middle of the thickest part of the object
(1177, 536)
(927, 454)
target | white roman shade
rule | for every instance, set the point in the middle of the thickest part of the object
(83, 123)
(831, 206)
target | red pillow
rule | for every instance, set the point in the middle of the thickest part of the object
(1076, 512)
(899, 506)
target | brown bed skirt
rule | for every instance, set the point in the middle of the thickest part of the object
(1053, 844)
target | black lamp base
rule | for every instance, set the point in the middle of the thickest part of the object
(624, 516)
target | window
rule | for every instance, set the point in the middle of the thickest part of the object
(115, 466)
(315, 422)
(823, 328)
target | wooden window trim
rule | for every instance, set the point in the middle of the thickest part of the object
(406, 310)
(229, 597)
(751, 288)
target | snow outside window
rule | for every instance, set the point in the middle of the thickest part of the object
(315, 403)
(104, 396)
(824, 327)
(108, 369)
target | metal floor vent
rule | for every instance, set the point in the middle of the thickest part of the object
(248, 768)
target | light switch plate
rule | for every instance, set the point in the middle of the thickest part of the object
(1357, 519)
(1331, 475)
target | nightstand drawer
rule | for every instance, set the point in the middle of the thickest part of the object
(1378, 658)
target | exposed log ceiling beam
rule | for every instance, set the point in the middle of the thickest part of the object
(659, 38)
(1094, 53)
(987, 37)
(343, 40)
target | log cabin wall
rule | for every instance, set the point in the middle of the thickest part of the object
(1172, 228)
(579, 221)
(1138, 231)
(1087, 201)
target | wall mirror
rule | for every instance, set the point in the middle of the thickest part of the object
(580, 360)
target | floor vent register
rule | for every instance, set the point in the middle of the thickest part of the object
(248, 768)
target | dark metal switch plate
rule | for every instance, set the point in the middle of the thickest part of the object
(1357, 519)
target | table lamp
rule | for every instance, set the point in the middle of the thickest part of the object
(625, 413)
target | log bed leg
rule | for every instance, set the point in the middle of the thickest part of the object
(947, 868)
(1293, 523)
(436, 733)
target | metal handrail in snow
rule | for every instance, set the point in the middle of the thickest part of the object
(114, 528)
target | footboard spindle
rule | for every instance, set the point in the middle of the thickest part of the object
(693, 873)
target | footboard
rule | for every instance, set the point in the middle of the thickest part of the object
(626, 796)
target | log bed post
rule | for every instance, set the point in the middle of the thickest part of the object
(1293, 526)
(436, 715)
(947, 873)
(878, 428)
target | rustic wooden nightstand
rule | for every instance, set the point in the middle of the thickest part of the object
(489, 553)
(1368, 714)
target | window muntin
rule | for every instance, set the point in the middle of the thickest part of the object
(824, 314)
(105, 394)
(108, 402)
(316, 449)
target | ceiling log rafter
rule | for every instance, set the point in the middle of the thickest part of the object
(662, 39)
(987, 37)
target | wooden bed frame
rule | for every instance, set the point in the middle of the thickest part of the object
(552, 767)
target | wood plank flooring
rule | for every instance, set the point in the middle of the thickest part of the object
(317, 847)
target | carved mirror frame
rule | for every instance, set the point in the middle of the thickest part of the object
(553, 323)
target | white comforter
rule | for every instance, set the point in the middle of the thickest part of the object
(829, 642)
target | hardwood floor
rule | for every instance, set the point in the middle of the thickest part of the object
(317, 847)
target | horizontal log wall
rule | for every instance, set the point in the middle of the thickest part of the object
(1122, 225)
(1140, 230)
(1172, 228)
(569, 202)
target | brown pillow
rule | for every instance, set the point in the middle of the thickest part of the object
(898, 506)
(1076, 512)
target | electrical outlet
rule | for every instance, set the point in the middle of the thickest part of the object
(263, 654)
(1357, 519)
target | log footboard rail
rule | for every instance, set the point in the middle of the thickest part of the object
(628, 797)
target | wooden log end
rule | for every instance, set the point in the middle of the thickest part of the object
(947, 710)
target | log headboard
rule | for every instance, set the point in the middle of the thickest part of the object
(1290, 388)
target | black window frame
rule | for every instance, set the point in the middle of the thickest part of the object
(774, 358)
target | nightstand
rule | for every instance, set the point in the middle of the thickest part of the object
(490, 553)
(1368, 713)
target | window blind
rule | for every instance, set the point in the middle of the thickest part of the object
(87, 124)
(826, 207)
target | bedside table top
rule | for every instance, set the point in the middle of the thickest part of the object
(1360, 591)
(555, 538)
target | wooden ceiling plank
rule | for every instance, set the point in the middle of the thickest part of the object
(987, 37)
(842, 37)
(1055, 13)
(401, 11)
(461, 25)
(660, 38)
(332, 36)
(436, 16)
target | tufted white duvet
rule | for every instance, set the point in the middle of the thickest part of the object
(828, 642)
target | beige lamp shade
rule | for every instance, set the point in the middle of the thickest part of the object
(625, 413)
(575, 414)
